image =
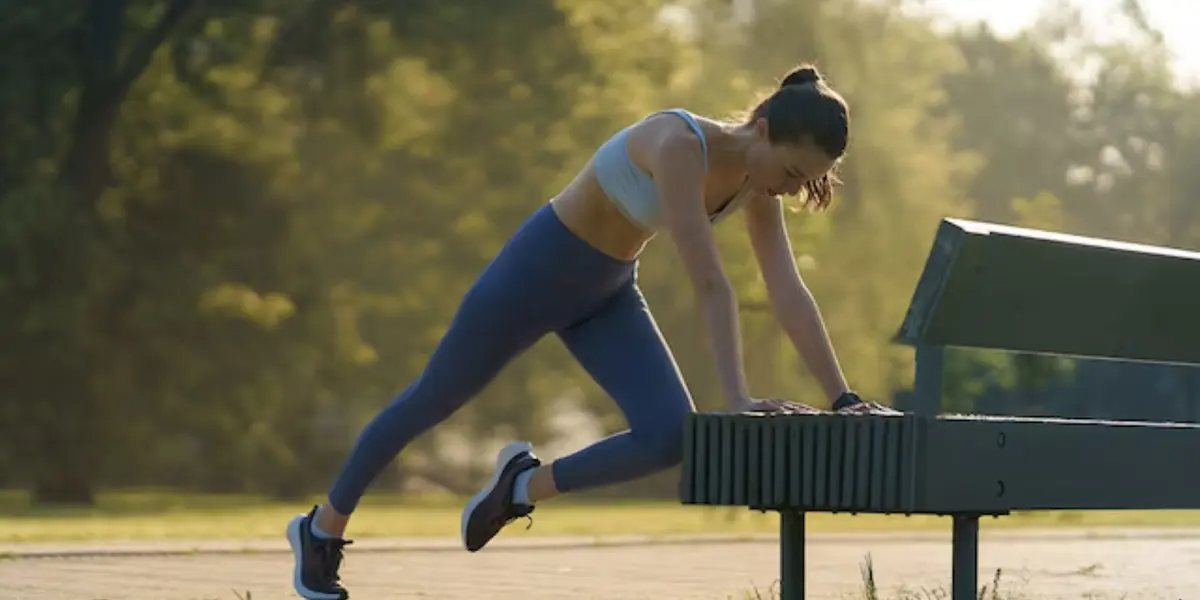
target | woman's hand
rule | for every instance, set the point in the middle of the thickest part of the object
(773, 405)
(849, 403)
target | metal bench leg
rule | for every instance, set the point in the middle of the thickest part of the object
(791, 539)
(965, 566)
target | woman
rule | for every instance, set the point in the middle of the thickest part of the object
(571, 270)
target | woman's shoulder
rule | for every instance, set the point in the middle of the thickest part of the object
(669, 129)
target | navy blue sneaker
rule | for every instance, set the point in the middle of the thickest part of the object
(493, 508)
(317, 561)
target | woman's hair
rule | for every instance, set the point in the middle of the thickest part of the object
(805, 107)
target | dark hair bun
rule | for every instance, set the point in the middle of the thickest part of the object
(802, 75)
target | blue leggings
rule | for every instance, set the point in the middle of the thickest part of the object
(545, 280)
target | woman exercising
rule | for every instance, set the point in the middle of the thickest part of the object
(571, 270)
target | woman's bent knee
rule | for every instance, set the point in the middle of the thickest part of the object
(662, 443)
(666, 452)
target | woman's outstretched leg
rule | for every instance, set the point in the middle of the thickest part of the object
(544, 276)
(624, 351)
(475, 348)
(502, 315)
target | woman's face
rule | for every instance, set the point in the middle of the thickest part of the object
(783, 169)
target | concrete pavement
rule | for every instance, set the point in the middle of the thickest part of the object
(1060, 564)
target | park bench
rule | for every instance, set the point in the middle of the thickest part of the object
(983, 286)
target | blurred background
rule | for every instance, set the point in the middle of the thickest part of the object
(230, 231)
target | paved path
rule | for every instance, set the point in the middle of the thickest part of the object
(1061, 565)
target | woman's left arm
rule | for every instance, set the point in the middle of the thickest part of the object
(790, 298)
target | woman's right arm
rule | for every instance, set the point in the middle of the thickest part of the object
(677, 162)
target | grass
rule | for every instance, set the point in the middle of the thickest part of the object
(145, 516)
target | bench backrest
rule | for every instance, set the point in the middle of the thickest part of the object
(1022, 290)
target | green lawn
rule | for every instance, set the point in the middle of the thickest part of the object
(149, 515)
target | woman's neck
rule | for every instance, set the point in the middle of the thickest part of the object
(728, 150)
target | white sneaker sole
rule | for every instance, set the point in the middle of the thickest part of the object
(509, 452)
(293, 535)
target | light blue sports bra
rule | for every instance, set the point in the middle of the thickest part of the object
(632, 190)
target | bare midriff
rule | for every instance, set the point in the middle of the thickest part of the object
(586, 210)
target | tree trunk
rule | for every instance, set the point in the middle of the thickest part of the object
(71, 442)
(64, 489)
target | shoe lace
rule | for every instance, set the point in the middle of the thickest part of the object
(517, 511)
(331, 555)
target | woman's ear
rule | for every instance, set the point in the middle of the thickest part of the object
(761, 129)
